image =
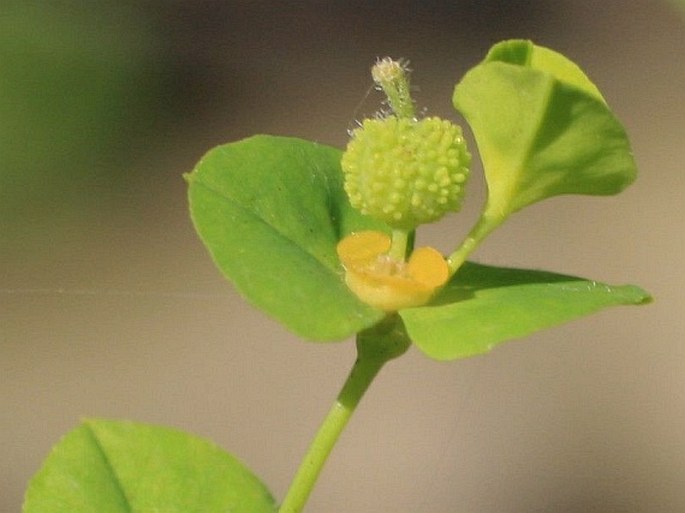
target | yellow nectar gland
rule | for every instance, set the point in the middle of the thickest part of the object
(386, 283)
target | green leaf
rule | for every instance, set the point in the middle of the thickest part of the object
(483, 306)
(542, 128)
(271, 211)
(121, 467)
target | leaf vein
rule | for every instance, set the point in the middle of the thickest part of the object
(289, 240)
(110, 468)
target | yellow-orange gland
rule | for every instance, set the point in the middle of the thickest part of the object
(406, 172)
(385, 283)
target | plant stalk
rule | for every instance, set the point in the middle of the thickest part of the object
(375, 347)
(398, 248)
(486, 224)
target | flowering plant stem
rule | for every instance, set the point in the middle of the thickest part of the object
(343, 225)
(375, 347)
(399, 247)
(486, 224)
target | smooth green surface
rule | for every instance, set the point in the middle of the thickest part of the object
(525, 53)
(542, 129)
(121, 467)
(483, 306)
(271, 211)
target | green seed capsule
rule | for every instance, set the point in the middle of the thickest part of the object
(406, 172)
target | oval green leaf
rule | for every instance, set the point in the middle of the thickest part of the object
(483, 306)
(271, 211)
(108, 466)
(542, 128)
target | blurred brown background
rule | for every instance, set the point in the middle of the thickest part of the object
(110, 307)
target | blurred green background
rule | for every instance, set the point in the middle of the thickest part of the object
(110, 307)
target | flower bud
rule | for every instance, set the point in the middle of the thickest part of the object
(406, 172)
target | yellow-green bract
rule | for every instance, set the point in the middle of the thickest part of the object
(542, 128)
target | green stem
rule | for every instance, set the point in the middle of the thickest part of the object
(360, 378)
(481, 229)
(398, 247)
(375, 347)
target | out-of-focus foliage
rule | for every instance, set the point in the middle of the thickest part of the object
(75, 87)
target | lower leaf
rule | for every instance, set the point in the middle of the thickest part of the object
(106, 466)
